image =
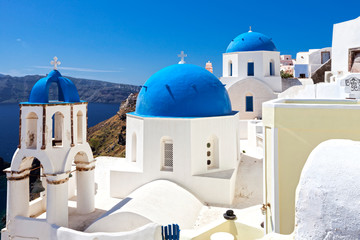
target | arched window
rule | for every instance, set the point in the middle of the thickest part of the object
(58, 129)
(212, 153)
(250, 69)
(167, 153)
(79, 127)
(230, 69)
(31, 130)
(272, 68)
(249, 103)
(133, 147)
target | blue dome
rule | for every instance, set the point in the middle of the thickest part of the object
(183, 90)
(251, 41)
(67, 90)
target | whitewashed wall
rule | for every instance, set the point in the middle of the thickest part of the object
(345, 36)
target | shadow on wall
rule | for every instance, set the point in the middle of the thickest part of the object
(289, 82)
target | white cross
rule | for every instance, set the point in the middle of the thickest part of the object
(182, 55)
(55, 62)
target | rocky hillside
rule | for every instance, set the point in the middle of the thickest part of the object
(17, 89)
(108, 137)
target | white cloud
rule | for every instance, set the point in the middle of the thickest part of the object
(18, 39)
(80, 69)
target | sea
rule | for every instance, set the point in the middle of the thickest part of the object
(9, 134)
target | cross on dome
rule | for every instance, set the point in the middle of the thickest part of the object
(182, 55)
(55, 62)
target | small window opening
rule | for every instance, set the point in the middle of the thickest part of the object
(79, 127)
(133, 148)
(249, 104)
(168, 155)
(31, 131)
(230, 69)
(250, 69)
(212, 153)
(58, 129)
(271, 68)
(325, 56)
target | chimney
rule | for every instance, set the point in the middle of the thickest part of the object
(209, 67)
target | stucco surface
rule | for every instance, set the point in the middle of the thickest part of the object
(161, 201)
(328, 193)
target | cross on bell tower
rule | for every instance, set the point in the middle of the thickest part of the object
(182, 55)
(55, 62)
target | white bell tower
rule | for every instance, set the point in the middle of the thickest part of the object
(54, 133)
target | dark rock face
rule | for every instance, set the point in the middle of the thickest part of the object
(108, 138)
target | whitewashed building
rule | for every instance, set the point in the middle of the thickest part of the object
(251, 72)
(308, 62)
(183, 130)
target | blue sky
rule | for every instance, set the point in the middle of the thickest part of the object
(128, 41)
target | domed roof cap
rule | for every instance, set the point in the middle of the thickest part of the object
(251, 41)
(67, 90)
(183, 90)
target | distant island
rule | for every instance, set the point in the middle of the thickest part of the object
(17, 89)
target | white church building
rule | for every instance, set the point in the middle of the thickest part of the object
(251, 72)
(183, 130)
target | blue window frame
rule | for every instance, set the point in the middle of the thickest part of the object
(249, 104)
(230, 69)
(250, 69)
(271, 69)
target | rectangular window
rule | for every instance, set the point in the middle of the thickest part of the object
(271, 69)
(168, 155)
(325, 56)
(230, 70)
(249, 104)
(250, 69)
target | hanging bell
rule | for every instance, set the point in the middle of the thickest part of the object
(37, 186)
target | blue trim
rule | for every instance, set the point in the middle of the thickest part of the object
(271, 69)
(150, 116)
(53, 102)
(67, 90)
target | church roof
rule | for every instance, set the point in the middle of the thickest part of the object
(67, 90)
(183, 90)
(251, 41)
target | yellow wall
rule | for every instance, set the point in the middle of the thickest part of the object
(300, 130)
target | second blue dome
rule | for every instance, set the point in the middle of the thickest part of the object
(251, 41)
